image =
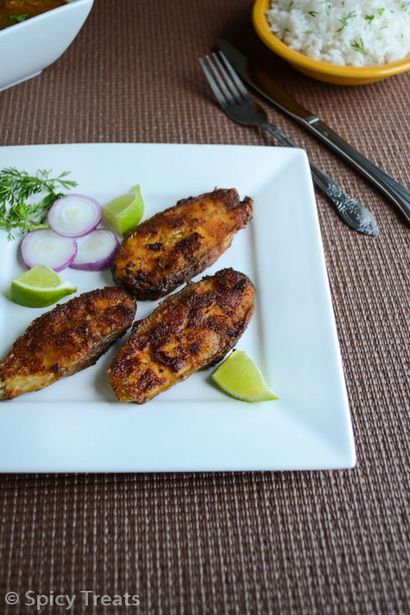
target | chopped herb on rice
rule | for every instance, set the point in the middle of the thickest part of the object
(346, 32)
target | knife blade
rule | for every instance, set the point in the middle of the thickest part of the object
(265, 85)
(268, 88)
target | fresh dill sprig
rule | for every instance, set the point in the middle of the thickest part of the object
(358, 45)
(327, 5)
(369, 18)
(16, 188)
(18, 18)
(345, 20)
(312, 13)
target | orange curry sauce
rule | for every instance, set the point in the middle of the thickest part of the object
(16, 11)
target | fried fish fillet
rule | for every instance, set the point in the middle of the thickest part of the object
(190, 330)
(176, 244)
(65, 340)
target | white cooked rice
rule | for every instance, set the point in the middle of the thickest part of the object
(349, 32)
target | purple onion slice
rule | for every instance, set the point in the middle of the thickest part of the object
(44, 247)
(95, 251)
(74, 215)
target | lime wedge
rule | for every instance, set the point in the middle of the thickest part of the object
(240, 378)
(125, 212)
(39, 287)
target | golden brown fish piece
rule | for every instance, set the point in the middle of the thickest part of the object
(65, 340)
(176, 244)
(190, 330)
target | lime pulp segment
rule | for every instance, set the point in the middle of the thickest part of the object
(239, 377)
(125, 212)
(39, 287)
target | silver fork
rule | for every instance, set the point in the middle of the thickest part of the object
(233, 97)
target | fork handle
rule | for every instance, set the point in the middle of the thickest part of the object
(353, 213)
(399, 195)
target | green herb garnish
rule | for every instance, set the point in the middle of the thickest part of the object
(380, 11)
(358, 45)
(18, 18)
(345, 20)
(328, 6)
(16, 188)
(369, 18)
(312, 13)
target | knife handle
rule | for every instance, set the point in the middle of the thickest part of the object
(399, 195)
(353, 213)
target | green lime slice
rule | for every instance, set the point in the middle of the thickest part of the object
(240, 378)
(125, 212)
(39, 287)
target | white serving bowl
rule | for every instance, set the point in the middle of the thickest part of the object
(28, 47)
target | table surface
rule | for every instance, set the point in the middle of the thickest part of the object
(286, 543)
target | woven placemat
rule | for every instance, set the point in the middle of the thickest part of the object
(296, 543)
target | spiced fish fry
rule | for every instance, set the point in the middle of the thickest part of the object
(176, 244)
(65, 340)
(190, 330)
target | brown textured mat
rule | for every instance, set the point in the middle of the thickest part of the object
(288, 544)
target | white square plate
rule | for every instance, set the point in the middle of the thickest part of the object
(76, 425)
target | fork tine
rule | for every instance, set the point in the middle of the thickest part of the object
(213, 65)
(216, 89)
(228, 81)
(238, 82)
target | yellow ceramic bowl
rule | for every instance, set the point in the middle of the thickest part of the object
(323, 71)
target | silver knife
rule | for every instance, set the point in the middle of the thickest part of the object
(265, 85)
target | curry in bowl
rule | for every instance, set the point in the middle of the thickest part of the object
(16, 11)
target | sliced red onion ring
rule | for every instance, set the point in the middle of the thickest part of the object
(74, 215)
(95, 251)
(44, 247)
